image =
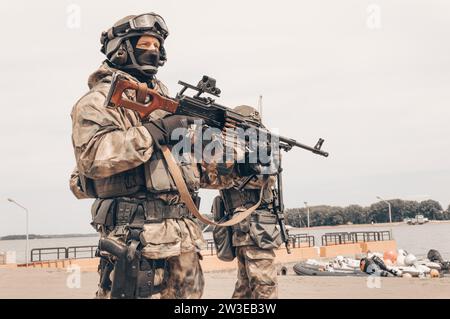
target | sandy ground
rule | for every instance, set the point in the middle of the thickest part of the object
(52, 283)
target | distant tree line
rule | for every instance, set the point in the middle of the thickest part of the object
(377, 213)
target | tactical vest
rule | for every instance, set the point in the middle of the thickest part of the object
(152, 176)
(260, 228)
(158, 178)
(233, 198)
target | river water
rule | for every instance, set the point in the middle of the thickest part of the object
(417, 239)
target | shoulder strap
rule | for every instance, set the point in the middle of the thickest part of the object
(187, 199)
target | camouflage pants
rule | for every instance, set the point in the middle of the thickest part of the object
(257, 276)
(185, 279)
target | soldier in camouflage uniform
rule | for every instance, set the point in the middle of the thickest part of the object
(256, 237)
(137, 208)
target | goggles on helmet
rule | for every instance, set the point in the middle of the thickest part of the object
(144, 22)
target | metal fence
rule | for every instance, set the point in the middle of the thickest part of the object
(54, 253)
(297, 240)
(370, 236)
(340, 238)
(81, 252)
(210, 247)
(302, 240)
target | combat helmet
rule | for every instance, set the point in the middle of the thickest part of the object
(119, 50)
(250, 113)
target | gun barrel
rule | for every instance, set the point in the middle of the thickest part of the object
(292, 142)
(287, 143)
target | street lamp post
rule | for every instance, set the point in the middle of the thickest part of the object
(390, 209)
(307, 212)
(26, 211)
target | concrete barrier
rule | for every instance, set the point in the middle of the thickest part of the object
(379, 246)
(297, 254)
(212, 263)
(7, 257)
(209, 263)
(349, 250)
(86, 264)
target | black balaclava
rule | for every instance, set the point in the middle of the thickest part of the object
(144, 57)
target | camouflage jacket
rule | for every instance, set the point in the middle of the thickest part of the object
(108, 141)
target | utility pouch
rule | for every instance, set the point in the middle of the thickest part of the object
(121, 184)
(87, 186)
(264, 230)
(223, 240)
(243, 226)
(218, 208)
(158, 178)
(102, 211)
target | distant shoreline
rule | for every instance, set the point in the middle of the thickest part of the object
(370, 225)
(33, 236)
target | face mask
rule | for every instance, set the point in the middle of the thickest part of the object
(147, 57)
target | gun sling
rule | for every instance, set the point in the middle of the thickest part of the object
(187, 199)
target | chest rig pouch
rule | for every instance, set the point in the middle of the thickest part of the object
(122, 184)
(158, 178)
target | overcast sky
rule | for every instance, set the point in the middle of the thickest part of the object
(370, 77)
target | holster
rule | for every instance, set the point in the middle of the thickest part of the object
(134, 276)
(125, 269)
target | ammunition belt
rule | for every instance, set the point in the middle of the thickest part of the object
(135, 212)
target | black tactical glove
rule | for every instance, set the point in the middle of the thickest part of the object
(247, 169)
(250, 168)
(161, 129)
